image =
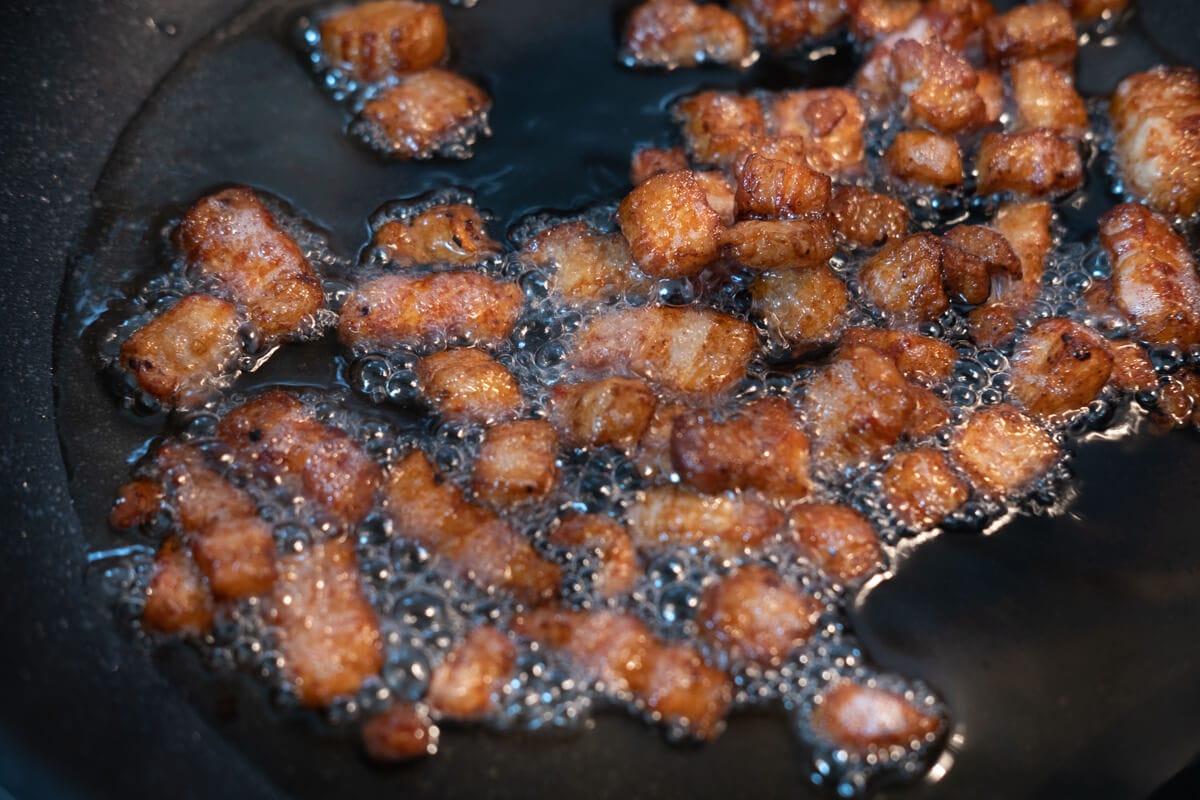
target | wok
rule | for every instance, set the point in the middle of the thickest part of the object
(1065, 647)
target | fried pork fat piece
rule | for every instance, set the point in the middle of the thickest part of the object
(517, 463)
(465, 685)
(590, 266)
(680, 33)
(829, 122)
(1026, 227)
(276, 438)
(867, 218)
(453, 234)
(671, 229)
(611, 411)
(904, 280)
(374, 41)
(232, 240)
(862, 719)
(1031, 163)
(694, 352)
(754, 615)
(466, 384)
(1039, 30)
(1156, 119)
(421, 310)
(177, 599)
(837, 539)
(650, 161)
(405, 731)
(774, 189)
(729, 524)
(940, 87)
(1059, 367)
(180, 355)
(804, 308)
(922, 360)
(326, 629)
(603, 536)
(928, 159)
(971, 256)
(781, 243)
(1002, 450)
(428, 113)
(718, 126)
(787, 24)
(1154, 276)
(922, 487)
(432, 511)
(669, 680)
(1045, 97)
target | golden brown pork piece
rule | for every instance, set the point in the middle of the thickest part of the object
(650, 161)
(1039, 30)
(928, 159)
(863, 719)
(1156, 119)
(618, 569)
(405, 731)
(517, 463)
(1033, 163)
(867, 218)
(720, 194)
(874, 19)
(421, 310)
(958, 23)
(618, 651)
(177, 599)
(728, 524)
(326, 629)
(971, 255)
(231, 240)
(1089, 10)
(1178, 401)
(922, 360)
(1045, 97)
(787, 24)
(1059, 367)
(922, 488)
(428, 113)
(858, 407)
(182, 354)
(680, 33)
(930, 413)
(1026, 226)
(773, 189)
(806, 308)
(830, 122)
(781, 243)
(1132, 369)
(466, 384)
(432, 511)
(671, 229)
(1002, 450)
(590, 266)
(838, 540)
(453, 234)
(374, 41)
(138, 503)
(754, 615)
(992, 90)
(465, 685)
(654, 450)
(611, 411)
(904, 280)
(763, 447)
(694, 352)
(940, 86)
(1154, 275)
(278, 439)
(718, 126)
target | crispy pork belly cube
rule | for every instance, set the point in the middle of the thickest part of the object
(403, 732)
(1059, 367)
(763, 447)
(682, 690)
(922, 488)
(922, 360)
(993, 324)
(925, 159)
(589, 266)
(138, 503)
(904, 280)
(428, 113)
(694, 352)
(929, 415)
(680, 33)
(717, 126)
(177, 599)
(1089, 10)
(671, 229)
(806, 308)
(466, 685)
(773, 189)
(611, 411)
(1045, 97)
(867, 218)
(754, 615)
(837, 539)
(517, 463)
(374, 41)
(787, 24)
(1002, 450)
(1038, 30)
(232, 240)
(432, 511)
(864, 720)
(830, 122)
(958, 23)
(1033, 163)
(781, 243)
(720, 194)
(1132, 369)
(728, 524)
(453, 234)
(874, 19)
(940, 85)
(1153, 275)
(1026, 226)
(278, 439)
(858, 407)
(422, 310)
(971, 255)
(650, 161)
(180, 356)
(653, 455)
(604, 536)
(463, 383)
(1156, 119)
(991, 90)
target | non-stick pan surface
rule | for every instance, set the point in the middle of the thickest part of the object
(1065, 647)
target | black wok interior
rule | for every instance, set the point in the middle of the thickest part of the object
(1065, 647)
